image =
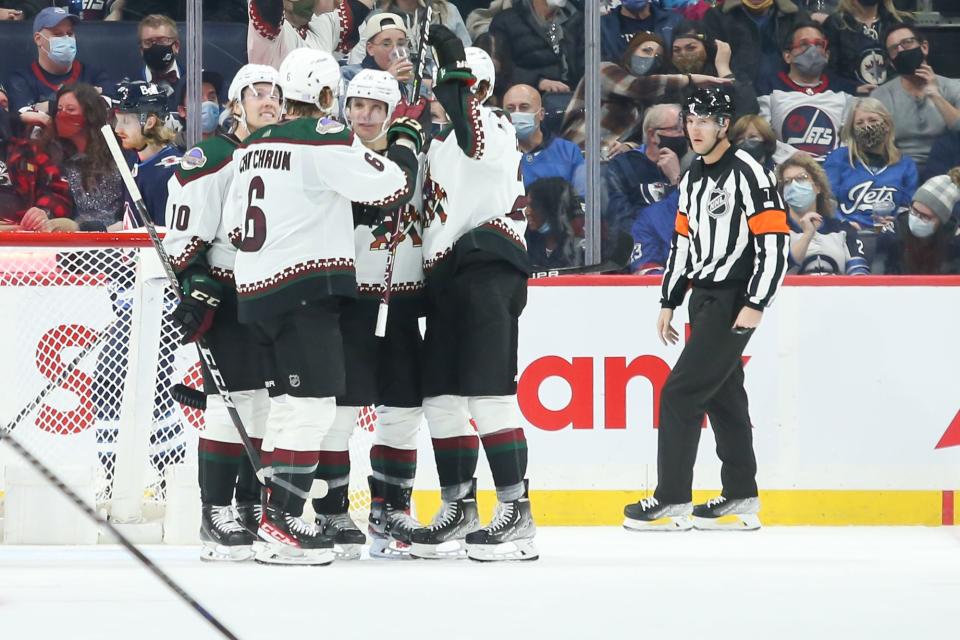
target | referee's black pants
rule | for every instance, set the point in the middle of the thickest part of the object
(708, 378)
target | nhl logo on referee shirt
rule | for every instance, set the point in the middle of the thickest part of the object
(294, 381)
(718, 203)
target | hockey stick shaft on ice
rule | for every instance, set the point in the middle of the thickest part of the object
(619, 260)
(205, 354)
(53, 479)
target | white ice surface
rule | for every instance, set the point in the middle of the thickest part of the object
(592, 583)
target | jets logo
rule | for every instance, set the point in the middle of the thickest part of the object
(5, 175)
(872, 68)
(718, 203)
(810, 129)
(864, 196)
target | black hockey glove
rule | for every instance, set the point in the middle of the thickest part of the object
(409, 128)
(195, 311)
(451, 59)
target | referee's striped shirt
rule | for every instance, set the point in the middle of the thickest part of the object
(731, 230)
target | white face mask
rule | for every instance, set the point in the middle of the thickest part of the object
(921, 228)
(557, 4)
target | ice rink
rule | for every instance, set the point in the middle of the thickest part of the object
(589, 583)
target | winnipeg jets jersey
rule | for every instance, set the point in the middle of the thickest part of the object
(858, 188)
(291, 214)
(197, 194)
(270, 37)
(474, 199)
(372, 244)
(807, 118)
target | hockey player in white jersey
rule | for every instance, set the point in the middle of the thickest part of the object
(203, 257)
(380, 371)
(278, 27)
(476, 267)
(295, 182)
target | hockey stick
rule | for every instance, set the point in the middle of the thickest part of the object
(618, 261)
(421, 62)
(52, 478)
(205, 354)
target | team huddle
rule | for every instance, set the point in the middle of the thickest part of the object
(288, 235)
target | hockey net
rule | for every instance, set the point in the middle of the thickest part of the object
(113, 414)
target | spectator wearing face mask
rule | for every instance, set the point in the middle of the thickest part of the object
(211, 86)
(31, 90)
(753, 134)
(695, 52)
(544, 155)
(924, 105)
(641, 178)
(869, 174)
(554, 225)
(927, 240)
(140, 127)
(854, 32)
(159, 48)
(755, 30)
(806, 105)
(627, 89)
(619, 27)
(820, 244)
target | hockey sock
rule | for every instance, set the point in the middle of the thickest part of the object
(507, 455)
(396, 466)
(248, 486)
(219, 463)
(292, 477)
(334, 469)
(456, 464)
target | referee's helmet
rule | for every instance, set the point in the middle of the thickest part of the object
(709, 102)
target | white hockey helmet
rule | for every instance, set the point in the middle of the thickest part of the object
(375, 85)
(482, 67)
(251, 74)
(305, 73)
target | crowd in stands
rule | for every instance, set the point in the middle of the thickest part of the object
(836, 97)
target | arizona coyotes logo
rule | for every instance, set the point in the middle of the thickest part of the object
(408, 227)
(434, 198)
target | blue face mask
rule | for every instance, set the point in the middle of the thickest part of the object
(63, 49)
(209, 116)
(800, 195)
(544, 229)
(633, 6)
(524, 123)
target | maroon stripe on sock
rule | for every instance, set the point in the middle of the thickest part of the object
(266, 458)
(459, 442)
(234, 449)
(298, 458)
(383, 452)
(257, 444)
(503, 437)
(334, 458)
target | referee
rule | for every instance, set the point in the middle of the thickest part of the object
(730, 243)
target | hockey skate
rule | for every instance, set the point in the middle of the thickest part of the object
(723, 514)
(391, 525)
(221, 536)
(509, 536)
(650, 515)
(348, 540)
(249, 515)
(286, 539)
(333, 519)
(445, 536)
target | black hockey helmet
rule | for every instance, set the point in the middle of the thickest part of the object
(141, 97)
(709, 101)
